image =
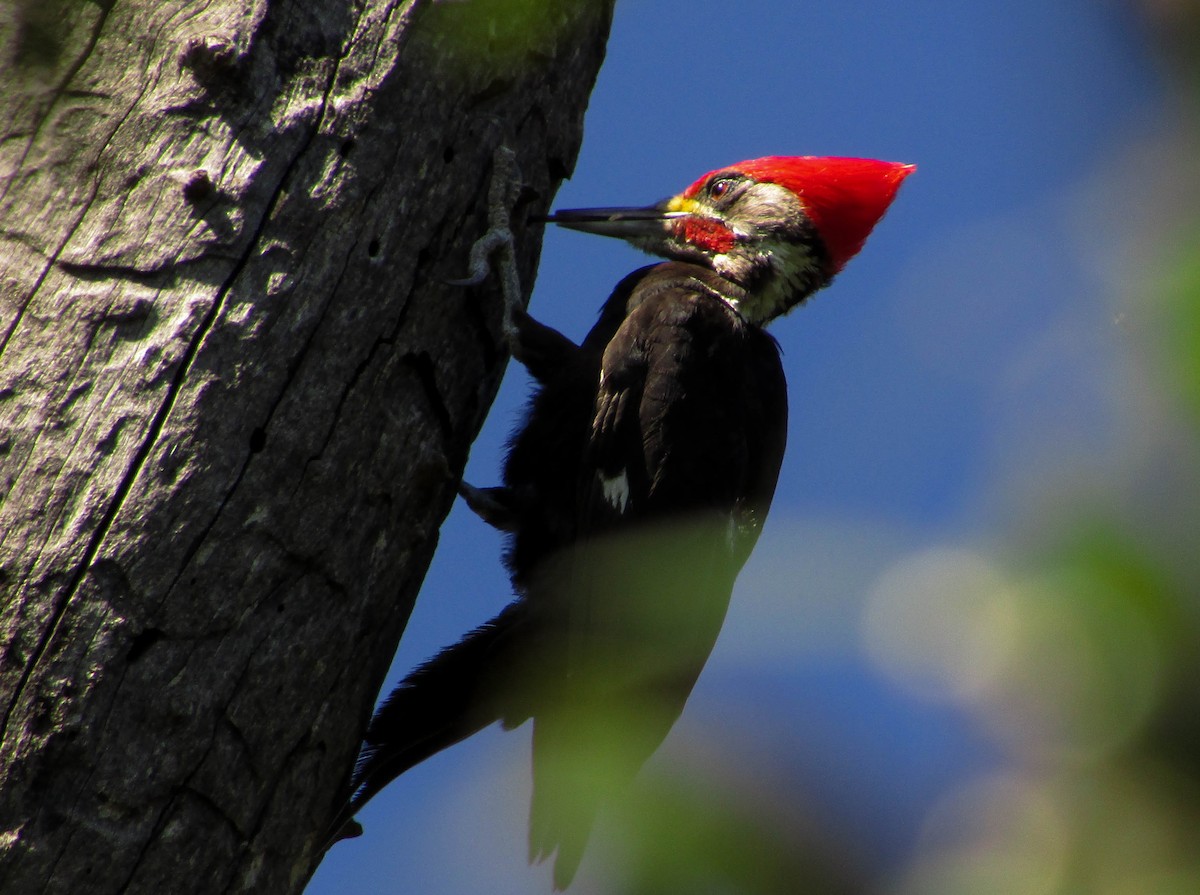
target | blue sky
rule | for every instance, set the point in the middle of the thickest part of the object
(956, 367)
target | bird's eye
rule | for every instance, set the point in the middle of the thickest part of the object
(720, 187)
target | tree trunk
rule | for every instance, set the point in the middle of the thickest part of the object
(236, 393)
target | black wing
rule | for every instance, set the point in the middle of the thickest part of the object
(678, 470)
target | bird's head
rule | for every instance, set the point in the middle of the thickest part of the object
(778, 227)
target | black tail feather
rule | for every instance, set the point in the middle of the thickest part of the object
(452, 696)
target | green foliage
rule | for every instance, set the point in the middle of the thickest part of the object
(1180, 301)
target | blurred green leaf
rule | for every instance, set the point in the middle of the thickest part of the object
(1180, 299)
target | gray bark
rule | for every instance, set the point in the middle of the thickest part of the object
(235, 396)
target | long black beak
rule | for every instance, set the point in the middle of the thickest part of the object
(653, 221)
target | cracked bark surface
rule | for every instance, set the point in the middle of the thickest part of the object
(235, 396)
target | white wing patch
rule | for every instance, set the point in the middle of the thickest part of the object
(616, 490)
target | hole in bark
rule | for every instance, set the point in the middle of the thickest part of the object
(38, 41)
(448, 154)
(258, 440)
(347, 145)
(373, 248)
(143, 642)
(198, 186)
(41, 719)
(528, 194)
(208, 56)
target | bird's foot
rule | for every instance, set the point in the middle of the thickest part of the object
(502, 195)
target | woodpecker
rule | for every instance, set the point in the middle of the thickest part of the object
(636, 488)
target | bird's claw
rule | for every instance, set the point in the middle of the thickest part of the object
(502, 195)
(495, 238)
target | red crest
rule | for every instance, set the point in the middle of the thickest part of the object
(844, 197)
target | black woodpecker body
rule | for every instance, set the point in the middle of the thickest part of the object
(636, 488)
